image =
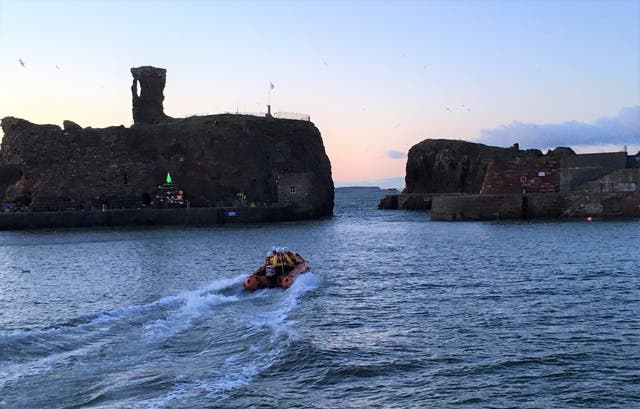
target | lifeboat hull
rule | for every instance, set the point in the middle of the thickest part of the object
(259, 280)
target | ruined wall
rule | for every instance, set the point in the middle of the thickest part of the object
(580, 169)
(526, 175)
(147, 94)
(621, 181)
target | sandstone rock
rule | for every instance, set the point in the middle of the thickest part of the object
(242, 154)
(148, 103)
(452, 166)
(70, 126)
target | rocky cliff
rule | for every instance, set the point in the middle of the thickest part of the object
(451, 166)
(213, 159)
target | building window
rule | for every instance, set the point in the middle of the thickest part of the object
(541, 174)
(292, 190)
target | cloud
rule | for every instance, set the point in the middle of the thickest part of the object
(623, 129)
(396, 154)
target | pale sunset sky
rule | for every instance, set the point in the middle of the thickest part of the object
(375, 77)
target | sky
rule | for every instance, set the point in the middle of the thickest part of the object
(375, 77)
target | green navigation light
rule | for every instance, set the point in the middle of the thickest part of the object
(168, 177)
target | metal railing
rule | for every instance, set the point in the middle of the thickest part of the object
(292, 115)
(280, 115)
(123, 204)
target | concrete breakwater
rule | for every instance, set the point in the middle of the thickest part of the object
(465, 181)
(455, 207)
(535, 206)
(148, 217)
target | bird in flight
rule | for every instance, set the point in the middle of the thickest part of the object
(21, 62)
(57, 67)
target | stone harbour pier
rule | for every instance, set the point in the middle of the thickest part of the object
(460, 180)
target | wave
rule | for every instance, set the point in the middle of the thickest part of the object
(268, 335)
(118, 340)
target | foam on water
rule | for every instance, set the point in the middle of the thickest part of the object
(192, 305)
(444, 315)
(161, 320)
(241, 368)
(64, 343)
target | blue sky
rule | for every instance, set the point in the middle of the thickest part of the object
(376, 77)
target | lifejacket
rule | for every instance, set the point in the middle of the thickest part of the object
(276, 261)
(287, 260)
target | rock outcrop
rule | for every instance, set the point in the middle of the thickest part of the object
(216, 159)
(451, 166)
(212, 158)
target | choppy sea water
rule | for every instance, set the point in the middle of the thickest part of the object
(397, 312)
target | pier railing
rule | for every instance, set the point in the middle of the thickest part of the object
(125, 204)
(280, 115)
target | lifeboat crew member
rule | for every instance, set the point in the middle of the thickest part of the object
(288, 257)
(267, 259)
(270, 272)
(276, 259)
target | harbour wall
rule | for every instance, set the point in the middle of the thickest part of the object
(411, 201)
(536, 206)
(148, 217)
(579, 169)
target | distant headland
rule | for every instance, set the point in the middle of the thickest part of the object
(224, 168)
(461, 180)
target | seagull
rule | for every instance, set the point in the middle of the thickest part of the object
(21, 62)
(447, 108)
(57, 67)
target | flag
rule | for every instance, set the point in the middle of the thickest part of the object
(271, 85)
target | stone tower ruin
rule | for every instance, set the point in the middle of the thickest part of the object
(148, 97)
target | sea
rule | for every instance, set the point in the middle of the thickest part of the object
(397, 312)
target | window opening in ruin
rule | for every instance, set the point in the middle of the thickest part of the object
(126, 180)
(292, 190)
(137, 89)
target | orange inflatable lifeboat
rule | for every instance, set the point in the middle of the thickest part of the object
(279, 273)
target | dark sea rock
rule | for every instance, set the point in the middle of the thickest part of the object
(224, 159)
(212, 158)
(452, 166)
